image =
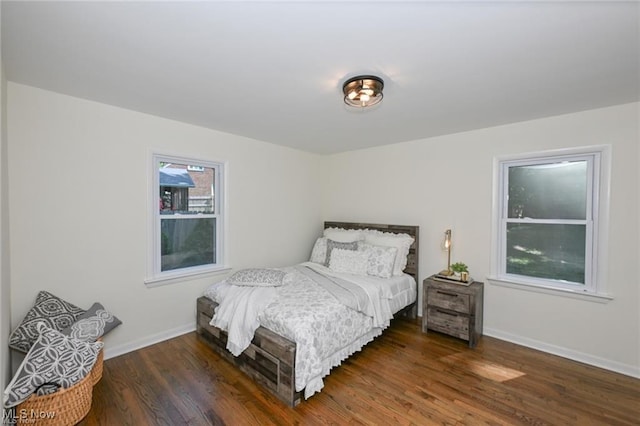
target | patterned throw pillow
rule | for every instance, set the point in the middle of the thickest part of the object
(337, 245)
(319, 251)
(53, 311)
(402, 242)
(54, 359)
(380, 259)
(349, 261)
(257, 277)
(93, 324)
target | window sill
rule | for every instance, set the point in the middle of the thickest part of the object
(184, 276)
(536, 288)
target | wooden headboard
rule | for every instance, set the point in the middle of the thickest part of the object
(412, 259)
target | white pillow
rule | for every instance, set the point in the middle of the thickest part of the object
(402, 242)
(380, 259)
(343, 235)
(319, 251)
(349, 261)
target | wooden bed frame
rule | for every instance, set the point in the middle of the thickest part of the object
(270, 358)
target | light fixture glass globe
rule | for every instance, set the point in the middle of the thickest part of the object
(363, 91)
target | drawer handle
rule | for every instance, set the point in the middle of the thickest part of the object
(446, 313)
(447, 293)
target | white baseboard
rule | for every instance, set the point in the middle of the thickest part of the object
(114, 351)
(627, 370)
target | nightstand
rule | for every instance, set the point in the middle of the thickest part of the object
(453, 309)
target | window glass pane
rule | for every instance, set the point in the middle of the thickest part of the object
(187, 242)
(548, 191)
(186, 189)
(546, 251)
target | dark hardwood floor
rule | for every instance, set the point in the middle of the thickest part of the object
(404, 377)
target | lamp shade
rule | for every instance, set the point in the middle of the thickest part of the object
(363, 91)
(447, 239)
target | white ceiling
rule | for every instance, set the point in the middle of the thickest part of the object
(273, 70)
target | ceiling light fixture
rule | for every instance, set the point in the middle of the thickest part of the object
(363, 91)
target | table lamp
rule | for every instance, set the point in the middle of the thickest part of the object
(447, 246)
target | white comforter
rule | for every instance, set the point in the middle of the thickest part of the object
(325, 330)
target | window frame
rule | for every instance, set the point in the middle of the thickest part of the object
(596, 221)
(155, 276)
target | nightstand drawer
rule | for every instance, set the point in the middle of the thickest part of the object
(448, 322)
(449, 299)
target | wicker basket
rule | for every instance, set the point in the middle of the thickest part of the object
(96, 371)
(65, 407)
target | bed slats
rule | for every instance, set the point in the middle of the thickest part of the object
(269, 360)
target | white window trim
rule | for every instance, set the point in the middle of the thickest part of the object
(601, 196)
(155, 277)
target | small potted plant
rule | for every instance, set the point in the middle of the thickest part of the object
(460, 270)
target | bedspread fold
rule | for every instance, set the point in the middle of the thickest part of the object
(238, 313)
(359, 293)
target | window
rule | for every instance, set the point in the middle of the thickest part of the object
(187, 218)
(548, 219)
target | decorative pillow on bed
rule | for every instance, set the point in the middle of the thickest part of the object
(331, 245)
(93, 324)
(402, 242)
(349, 261)
(53, 311)
(319, 252)
(54, 359)
(257, 277)
(380, 259)
(343, 235)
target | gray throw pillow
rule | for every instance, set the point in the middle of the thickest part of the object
(334, 244)
(53, 360)
(93, 324)
(53, 311)
(257, 277)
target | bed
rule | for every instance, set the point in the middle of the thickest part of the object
(270, 358)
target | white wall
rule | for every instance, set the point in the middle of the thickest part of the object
(5, 293)
(78, 191)
(446, 182)
(78, 204)
(637, 204)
